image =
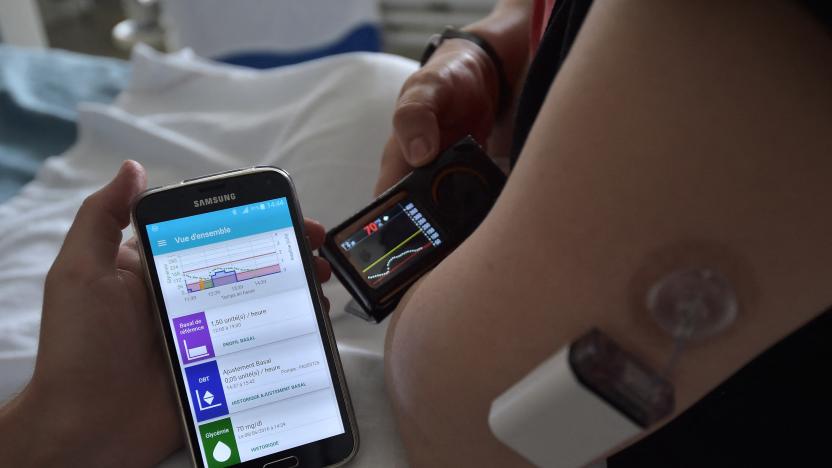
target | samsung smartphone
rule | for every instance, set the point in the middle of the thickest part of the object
(250, 345)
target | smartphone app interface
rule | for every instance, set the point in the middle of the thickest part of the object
(246, 336)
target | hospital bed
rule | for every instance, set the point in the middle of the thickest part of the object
(182, 116)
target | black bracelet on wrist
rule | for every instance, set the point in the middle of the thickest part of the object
(451, 32)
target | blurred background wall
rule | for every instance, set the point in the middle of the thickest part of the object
(222, 29)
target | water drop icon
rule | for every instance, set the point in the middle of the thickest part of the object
(222, 452)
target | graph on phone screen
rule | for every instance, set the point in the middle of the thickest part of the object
(211, 267)
(245, 331)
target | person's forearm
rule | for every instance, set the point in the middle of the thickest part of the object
(507, 30)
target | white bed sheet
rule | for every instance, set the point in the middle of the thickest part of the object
(324, 121)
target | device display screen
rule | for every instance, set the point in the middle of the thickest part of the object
(387, 239)
(243, 321)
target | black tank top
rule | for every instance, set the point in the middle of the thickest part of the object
(775, 411)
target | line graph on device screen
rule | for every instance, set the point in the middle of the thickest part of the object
(228, 262)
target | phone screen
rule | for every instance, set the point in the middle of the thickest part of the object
(384, 242)
(243, 322)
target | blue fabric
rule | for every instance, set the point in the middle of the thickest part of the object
(39, 94)
(363, 38)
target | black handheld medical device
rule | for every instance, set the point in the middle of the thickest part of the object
(380, 251)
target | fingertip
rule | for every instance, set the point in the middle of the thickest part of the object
(323, 269)
(418, 151)
(135, 175)
(129, 181)
(315, 232)
(95, 233)
(314, 225)
(132, 165)
(417, 132)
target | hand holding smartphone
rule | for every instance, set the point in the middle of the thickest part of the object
(251, 349)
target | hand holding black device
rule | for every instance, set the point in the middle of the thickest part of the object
(380, 251)
(248, 339)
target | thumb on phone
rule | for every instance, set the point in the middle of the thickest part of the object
(94, 239)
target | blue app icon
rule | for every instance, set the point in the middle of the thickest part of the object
(206, 391)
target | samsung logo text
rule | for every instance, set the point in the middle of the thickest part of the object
(214, 200)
